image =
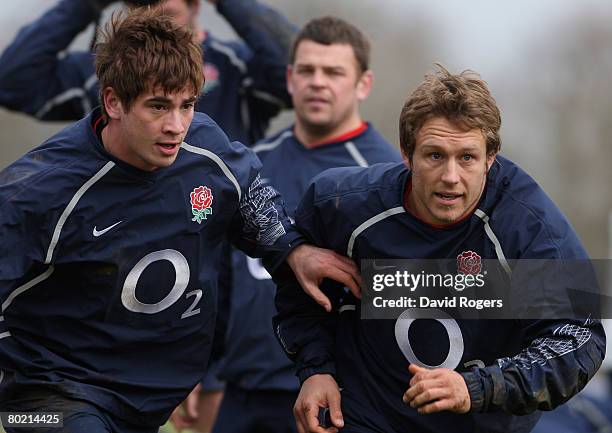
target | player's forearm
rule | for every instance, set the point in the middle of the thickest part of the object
(269, 35)
(28, 66)
(305, 331)
(544, 375)
(262, 227)
(260, 26)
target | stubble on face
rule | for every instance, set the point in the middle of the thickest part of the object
(449, 169)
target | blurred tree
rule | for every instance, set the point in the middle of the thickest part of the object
(578, 100)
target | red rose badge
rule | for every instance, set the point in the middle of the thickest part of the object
(201, 203)
(468, 262)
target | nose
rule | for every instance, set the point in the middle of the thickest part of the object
(318, 78)
(450, 173)
(173, 123)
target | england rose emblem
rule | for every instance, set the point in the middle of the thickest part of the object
(201, 203)
(468, 262)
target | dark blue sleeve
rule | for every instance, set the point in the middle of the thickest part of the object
(268, 34)
(559, 356)
(261, 227)
(35, 80)
(22, 234)
(304, 329)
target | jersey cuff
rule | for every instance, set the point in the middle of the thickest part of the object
(326, 368)
(486, 387)
(291, 240)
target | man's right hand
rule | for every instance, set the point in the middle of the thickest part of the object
(319, 390)
(311, 265)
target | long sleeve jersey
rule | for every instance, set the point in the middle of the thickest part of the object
(512, 368)
(108, 274)
(253, 358)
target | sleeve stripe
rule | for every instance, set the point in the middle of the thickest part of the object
(19, 290)
(74, 92)
(71, 205)
(370, 222)
(224, 168)
(231, 55)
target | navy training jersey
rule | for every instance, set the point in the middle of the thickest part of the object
(510, 367)
(108, 274)
(245, 81)
(253, 358)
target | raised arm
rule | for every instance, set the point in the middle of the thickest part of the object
(35, 79)
(268, 34)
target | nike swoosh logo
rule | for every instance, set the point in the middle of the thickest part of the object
(381, 267)
(97, 233)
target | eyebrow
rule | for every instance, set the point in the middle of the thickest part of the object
(466, 148)
(165, 100)
(326, 67)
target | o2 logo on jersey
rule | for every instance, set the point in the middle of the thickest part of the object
(181, 269)
(455, 337)
(257, 270)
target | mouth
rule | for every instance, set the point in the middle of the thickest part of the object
(317, 101)
(169, 148)
(448, 198)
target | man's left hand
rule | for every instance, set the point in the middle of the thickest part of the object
(186, 414)
(437, 390)
(311, 265)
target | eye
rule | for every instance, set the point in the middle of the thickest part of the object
(188, 105)
(436, 156)
(468, 157)
(304, 71)
(158, 107)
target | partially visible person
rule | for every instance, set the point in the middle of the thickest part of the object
(110, 236)
(582, 414)
(454, 197)
(328, 78)
(244, 85)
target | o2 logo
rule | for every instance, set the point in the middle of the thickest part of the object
(181, 269)
(257, 270)
(455, 337)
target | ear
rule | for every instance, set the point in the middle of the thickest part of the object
(288, 76)
(195, 10)
(406, 159)
(112, 104)
(364, 85)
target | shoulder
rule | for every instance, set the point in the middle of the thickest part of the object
(47, 176)
(206, 141)
(342, 181)
(375, 147)
(526, 216)
(205, 137)
(272, 143)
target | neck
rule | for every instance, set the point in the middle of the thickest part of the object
(311, 136)
(111, 140)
